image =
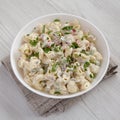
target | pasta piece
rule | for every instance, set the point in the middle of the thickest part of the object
(85, 86)
(68, 52)
(69, 39)
(91, 38)
(31, 36)
(21, 62)
(75, 23)
(28, 80)
(88, 74)
(83, 83)
(34, 63)
(25, 49)
(49, 86)
(66, 77)
(47, 40)
(52, 91)
(98, 56)
(55, 26)
(84, 43)
(45, 60)
(63, 90)
(36, 82)
(80, 34)
(51, 55)
(94, 68)
(72, 87)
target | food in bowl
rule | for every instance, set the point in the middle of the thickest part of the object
(59, 58)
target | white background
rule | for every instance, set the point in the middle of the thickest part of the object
(103, 102)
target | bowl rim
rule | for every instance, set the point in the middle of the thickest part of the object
(60, 96)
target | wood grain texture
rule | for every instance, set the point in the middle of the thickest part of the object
(103, 102)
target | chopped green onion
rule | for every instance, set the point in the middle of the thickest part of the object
(67, 28)
(46, 49)
(57, 92)
(74, 45)
(52, 45)
(49, 31)
(34, 54)
(56, 49)
(54, 66)
(67, 33)
(43, 30)
(69, 59)
(34, 42)
(92, 75)
(86, 64)
(56, 20)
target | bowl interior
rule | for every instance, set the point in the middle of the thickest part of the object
(101, 44)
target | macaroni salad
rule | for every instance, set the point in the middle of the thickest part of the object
(59, 58)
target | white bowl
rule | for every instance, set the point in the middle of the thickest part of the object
(101, 44)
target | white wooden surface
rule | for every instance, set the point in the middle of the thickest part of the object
(103, 102)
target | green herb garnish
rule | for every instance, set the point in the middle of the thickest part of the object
(46, 49)
(54, 66)
(57, 92)
(34, 54)
(49, 32)
(68, 28)
(74, 45)
(56, 49)
(69, 59)
(56, 20)
(86, 65)
(52, 45)
(67, 33)
(34, 42)
(92, 75)
(43, 30)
